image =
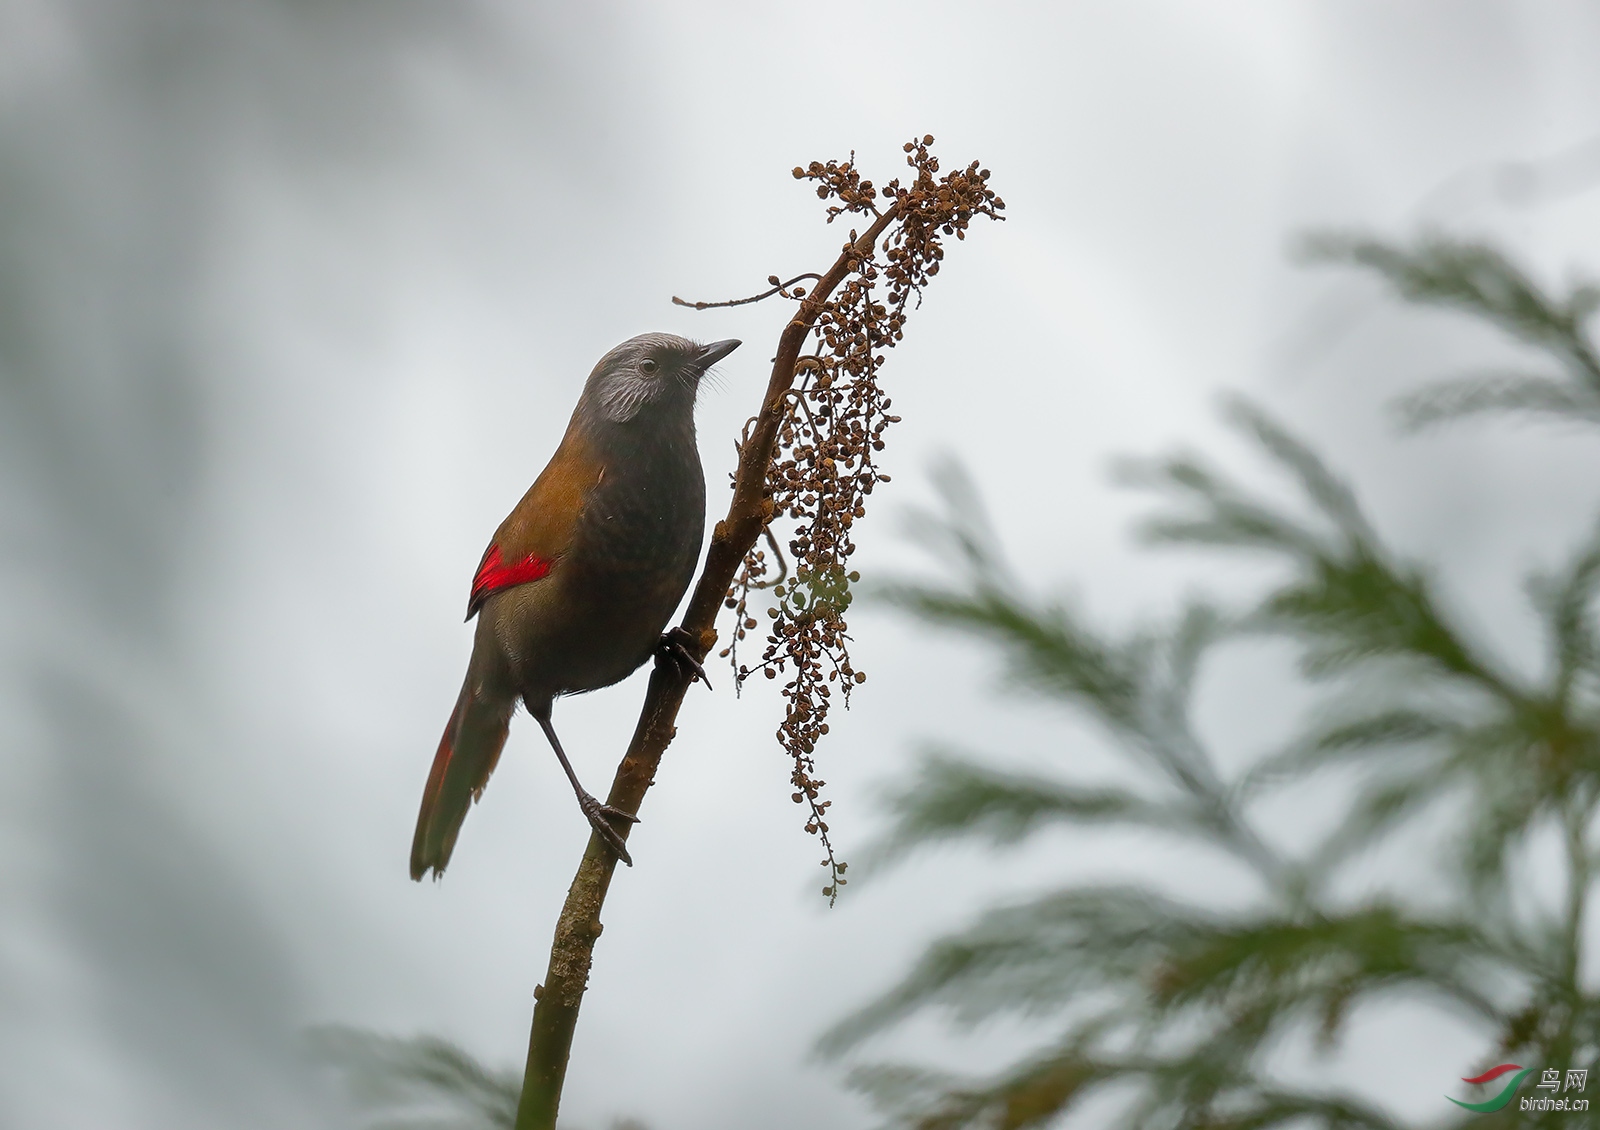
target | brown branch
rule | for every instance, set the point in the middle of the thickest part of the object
(555, 1013)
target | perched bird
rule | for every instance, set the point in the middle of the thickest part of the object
(575, 589)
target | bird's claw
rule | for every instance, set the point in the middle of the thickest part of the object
(674, 645)
(600, 817)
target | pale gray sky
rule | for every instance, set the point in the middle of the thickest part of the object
(297, 301)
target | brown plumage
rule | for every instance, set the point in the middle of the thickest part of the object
(578, 582)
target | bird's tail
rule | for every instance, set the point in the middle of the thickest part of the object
(471, 746)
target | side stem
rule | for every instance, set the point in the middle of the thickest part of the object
(555, 1011)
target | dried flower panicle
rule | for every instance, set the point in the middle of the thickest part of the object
(825, 463)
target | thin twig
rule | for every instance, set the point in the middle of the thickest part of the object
(783, 562)
(778, 288)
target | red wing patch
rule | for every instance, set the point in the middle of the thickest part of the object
(494, 574)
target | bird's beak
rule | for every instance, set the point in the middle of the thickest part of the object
(715, 352)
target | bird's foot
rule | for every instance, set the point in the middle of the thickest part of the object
(600, 817)
(674, 645)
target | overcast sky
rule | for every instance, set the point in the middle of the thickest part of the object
(295, 300)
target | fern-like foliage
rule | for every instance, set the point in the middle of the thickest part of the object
(418, 1082)
(1483, 282)
(1175, 1003)
(421, 1082)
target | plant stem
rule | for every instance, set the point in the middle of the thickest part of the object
(555, 1011)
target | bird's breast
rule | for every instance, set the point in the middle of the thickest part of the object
(629, 564)
(648, 510)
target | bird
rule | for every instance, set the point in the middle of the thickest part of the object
(576, 586)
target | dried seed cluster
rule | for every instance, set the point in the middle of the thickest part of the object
(824, 465)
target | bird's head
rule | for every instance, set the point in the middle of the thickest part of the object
(659, 370)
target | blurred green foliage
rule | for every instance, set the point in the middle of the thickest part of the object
(1175, 1004)
(421, 1082)
(417, 1083)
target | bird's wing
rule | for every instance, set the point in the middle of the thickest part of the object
(537, 532)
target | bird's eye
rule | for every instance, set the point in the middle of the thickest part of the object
(648, 365)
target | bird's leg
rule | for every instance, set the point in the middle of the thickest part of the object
(674, 645)
(599, 815)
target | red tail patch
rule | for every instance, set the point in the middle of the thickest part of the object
(494, 574)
